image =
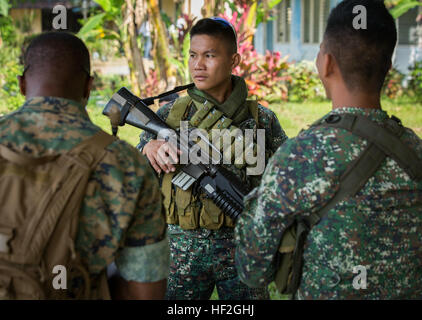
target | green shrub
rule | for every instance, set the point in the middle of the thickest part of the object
(304, 82)
(415, 82)
(104, 87)
(393, 84)
(10, 67)
(10, 97)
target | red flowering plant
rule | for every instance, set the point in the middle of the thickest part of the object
(152, 85)
(393, 84)
(265, 75)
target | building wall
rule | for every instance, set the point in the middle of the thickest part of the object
(196, 6)
(266, 39)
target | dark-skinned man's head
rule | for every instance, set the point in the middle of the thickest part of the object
(57, 64)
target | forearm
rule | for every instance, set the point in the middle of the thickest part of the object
(144, 138)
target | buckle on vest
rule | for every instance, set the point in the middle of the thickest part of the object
(394, 125)
(334, 118)
(6, 234)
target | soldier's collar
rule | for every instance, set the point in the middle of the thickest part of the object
(229, 107)
(57, 104)
(374, 114)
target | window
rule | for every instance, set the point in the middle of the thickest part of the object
(407, 27)
(314, 19)
(284, 21)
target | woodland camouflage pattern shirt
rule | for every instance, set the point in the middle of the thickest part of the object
(121, 217)
(380, 228)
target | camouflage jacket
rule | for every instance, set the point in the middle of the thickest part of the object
(377, 231)
(274, 137)
(122, 219)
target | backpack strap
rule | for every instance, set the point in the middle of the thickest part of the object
(23, 160)
(92, 150)
(98, 141)
(253, 109)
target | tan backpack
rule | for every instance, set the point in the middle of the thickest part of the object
(40, 201)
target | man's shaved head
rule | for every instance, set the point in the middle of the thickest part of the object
(58, 61)
(363, 55)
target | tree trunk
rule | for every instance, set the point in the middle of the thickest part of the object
(132, 51)
(212, 8)
(161, 52)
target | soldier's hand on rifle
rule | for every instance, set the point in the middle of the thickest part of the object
(162, 155)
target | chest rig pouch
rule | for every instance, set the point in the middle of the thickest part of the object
(190, 209)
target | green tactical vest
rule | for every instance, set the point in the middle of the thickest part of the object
(182, 207)
(384, 140)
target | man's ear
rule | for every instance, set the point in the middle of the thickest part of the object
(329, 65)
(22, 85)
(87, 91)
(88, 87)
(236, 60)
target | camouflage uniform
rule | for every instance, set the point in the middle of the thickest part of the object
(203, 258)
(121, 217)
(380, 228)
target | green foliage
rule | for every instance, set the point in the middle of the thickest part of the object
(4, 8)
(10, 97)
(415, 82)
(393, 84)
(182, 62)
(105, 25)
(304, 82)
(180, 45)
(91, 25)
(7, 30)
(400, 7)
(263, 11)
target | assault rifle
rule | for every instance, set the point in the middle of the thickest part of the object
(217, 183)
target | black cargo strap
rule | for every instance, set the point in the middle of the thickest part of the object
(383, 142)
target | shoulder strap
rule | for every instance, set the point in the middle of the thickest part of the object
(177, 111)
(253, 109)
(355, 177)
(98, 141)
(92, 150)
(23, 160)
